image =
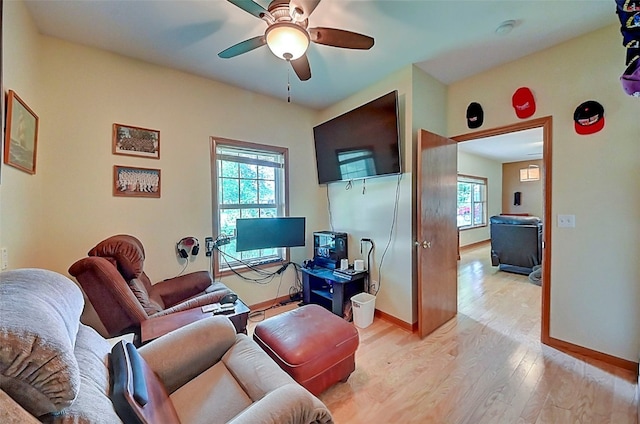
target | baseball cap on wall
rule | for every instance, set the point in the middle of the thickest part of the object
(475, 115)
(523, 102)
(631, 55)
(630, 78)
(588, 117)
(629, 21)
(628, 5)
(630, 39)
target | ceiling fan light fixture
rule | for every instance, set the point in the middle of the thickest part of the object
(286, 40)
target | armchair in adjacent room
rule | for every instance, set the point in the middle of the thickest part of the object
(122, 294)
(516, 243)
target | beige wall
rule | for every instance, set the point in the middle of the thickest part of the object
(531, 200)
(51, 219)
(21, 217)
(370, 214)
(595, 290)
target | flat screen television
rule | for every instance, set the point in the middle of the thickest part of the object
(361, 143)
(265, 233)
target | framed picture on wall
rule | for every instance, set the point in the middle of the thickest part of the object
(136, 141)
(21, 136)
(130, 181)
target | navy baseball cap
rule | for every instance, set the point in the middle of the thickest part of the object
(588, 117)
(628, 5)
(475, 115)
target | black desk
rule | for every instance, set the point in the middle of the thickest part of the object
(322, 287)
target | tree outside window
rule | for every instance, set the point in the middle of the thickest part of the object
(249, 180)
(472, 202)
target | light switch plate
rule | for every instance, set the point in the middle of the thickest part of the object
(566, 221)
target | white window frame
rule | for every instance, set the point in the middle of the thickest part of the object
(483, 182)
(226, 149)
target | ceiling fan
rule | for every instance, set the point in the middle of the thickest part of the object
(287, 34)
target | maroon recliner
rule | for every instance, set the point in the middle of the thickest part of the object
(115, 283)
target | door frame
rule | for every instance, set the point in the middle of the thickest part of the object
(545, 123)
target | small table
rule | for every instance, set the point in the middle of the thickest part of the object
(321, 286)
(155, 327)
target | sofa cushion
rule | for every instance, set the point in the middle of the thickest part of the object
(260, 379)
(38, 367)
(193, 400)
(92, 405)
(150, 307)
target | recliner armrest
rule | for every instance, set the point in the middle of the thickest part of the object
(288, 404)
(205, 298)
(185, 353)
(175, 290)
(12, 412)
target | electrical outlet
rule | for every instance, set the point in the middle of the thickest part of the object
(566, 221)
(374, 285)
(208, 244)
(4, 258)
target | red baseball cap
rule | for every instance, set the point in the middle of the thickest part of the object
(523, 102)
(588, 117)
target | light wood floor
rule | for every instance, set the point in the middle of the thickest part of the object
(487, 365)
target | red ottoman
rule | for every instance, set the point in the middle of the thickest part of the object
(314, 346)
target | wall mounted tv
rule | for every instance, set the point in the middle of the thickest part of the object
(265, 233)
(361, 143)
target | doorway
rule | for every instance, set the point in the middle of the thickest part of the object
(546, 124)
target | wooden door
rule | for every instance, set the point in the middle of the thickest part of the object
(436, 242)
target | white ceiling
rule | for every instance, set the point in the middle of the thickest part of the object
(506, 148)
(450, 40)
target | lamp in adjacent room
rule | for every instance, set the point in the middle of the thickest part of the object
(530, 173)
(286, 40)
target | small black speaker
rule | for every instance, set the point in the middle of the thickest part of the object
(516, 198)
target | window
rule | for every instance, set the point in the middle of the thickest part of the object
(249, 181)
(356, 163)
(472, 201)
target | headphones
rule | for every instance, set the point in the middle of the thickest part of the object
(188, 245)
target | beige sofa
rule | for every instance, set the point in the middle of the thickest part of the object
(56, 369)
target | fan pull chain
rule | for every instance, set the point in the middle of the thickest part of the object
(288, 85)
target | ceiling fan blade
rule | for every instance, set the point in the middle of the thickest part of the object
(301, 67)
(251, 7)
(243, 47)
(301, 9)
(340, 38)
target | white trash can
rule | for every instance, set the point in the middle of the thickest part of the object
(364, 305)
